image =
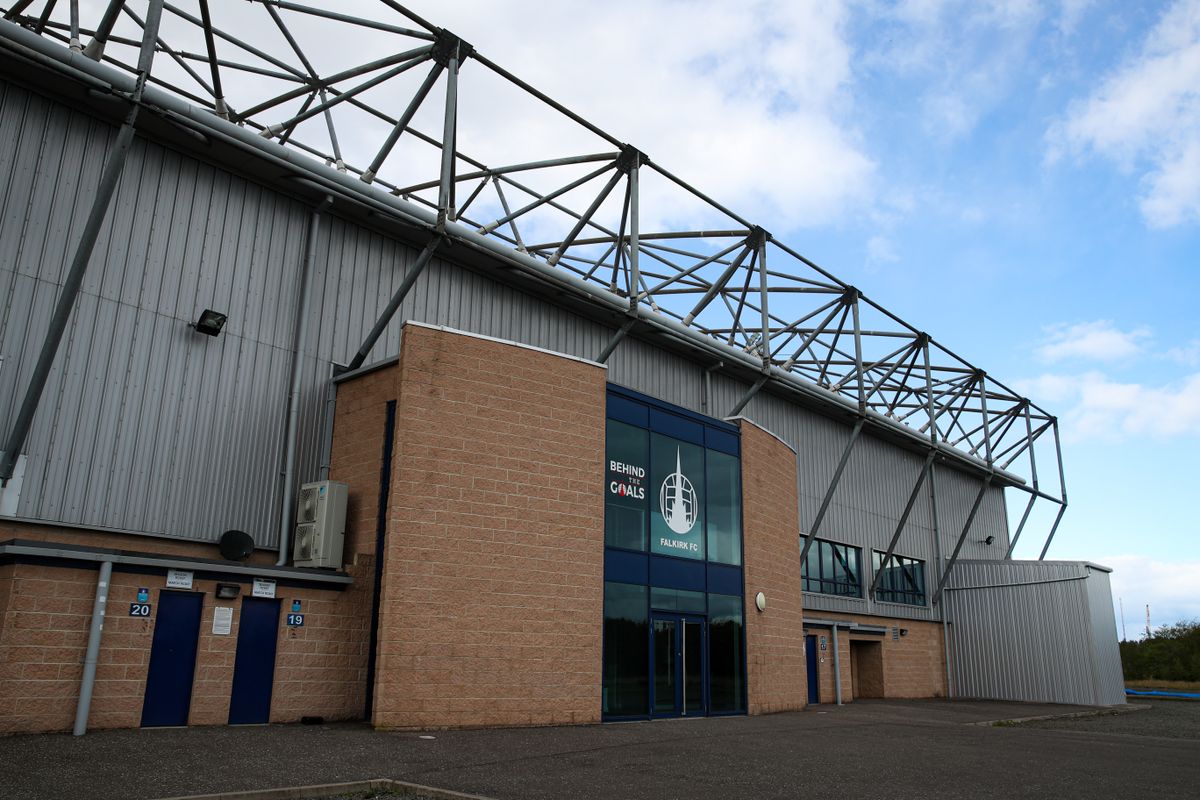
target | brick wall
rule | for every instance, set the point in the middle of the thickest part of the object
(913, 666)
(43, 637)
(493, 581)
(774, 638)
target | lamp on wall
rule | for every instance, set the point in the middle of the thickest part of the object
(210, 322)
(988, 540)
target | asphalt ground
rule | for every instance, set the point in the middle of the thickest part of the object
(869, 749)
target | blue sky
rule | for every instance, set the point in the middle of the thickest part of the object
(1021, 179)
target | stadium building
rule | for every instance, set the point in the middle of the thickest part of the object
(316, 402)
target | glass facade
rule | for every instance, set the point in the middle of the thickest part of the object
(831, 568)
(902, 581)
(626, 650)
(726, 647)
(674, 637)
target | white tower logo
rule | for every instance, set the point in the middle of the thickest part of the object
(677, 500)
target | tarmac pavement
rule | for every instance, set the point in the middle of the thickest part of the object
(893, 749)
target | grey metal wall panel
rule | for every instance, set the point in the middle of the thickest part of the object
(150, 427)
(1106, 650)
(1026, 630)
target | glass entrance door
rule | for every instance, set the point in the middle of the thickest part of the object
(679, 656)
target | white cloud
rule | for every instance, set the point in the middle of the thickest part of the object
(1168, 587)
(1145, 116)
(1095, 341)
(1101, 408)
(881, 250)
(751, 103)
(1188, 354)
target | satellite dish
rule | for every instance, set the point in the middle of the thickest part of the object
(236, 545)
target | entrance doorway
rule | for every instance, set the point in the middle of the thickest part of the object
(679, 653)
(866, 667)
(254, 664)
(810, 654)
(168, 696)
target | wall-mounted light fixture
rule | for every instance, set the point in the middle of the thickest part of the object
(228, 591)
(988, 540)
(210, 322)
(904, 631)
(760, 601)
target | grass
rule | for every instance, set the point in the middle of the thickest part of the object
(1165, 686)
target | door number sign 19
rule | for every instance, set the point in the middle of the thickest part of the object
(295, 620)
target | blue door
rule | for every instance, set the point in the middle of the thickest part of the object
(254, 666)
(172, 659)
(810, 651)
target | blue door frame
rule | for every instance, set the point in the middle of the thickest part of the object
(810, 653)
(168, 697)
(682, 627)
(254, 665)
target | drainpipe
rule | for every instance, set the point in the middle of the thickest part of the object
(293, 422)
(837, 666)
(93, 649)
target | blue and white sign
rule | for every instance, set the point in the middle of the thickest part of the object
(296, 606)
(143, 595)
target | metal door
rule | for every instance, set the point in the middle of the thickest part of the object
(254, 666)
(810, 652)
(168, 695)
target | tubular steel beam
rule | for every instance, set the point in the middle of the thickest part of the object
(1012, 545)
(83, 251)
(833, 484)
(1062, 489)
(449, 138)
(615, 340)
(748, 396)
(1062, 509)
(402, 123)
(962, 537)
(405, 285)
(912, 499)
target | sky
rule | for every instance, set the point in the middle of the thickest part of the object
(1021, 179)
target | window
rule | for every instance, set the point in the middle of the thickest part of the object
(626, 650)
(832, 568)
(902, 581)
(726, 638)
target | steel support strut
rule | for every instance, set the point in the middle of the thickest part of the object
(833, 484)
(962, 537)
(1062, 486)
(405, 285)
(912, 499)
(83, 251)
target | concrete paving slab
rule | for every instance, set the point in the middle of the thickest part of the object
(926, 749)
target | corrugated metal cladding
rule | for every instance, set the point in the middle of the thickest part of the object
(1040, 631)
(148, 426)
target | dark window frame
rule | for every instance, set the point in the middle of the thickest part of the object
(831, 585)
(911, 572)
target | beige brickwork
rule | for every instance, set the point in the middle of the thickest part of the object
(774, 638)
(493, 577)
(913, 665)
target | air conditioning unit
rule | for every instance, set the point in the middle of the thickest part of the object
(320, 525)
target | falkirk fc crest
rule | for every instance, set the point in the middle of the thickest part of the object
(677, 500)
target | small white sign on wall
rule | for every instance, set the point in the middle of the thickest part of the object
(222, 620)
(179, 579)
(263, 587)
